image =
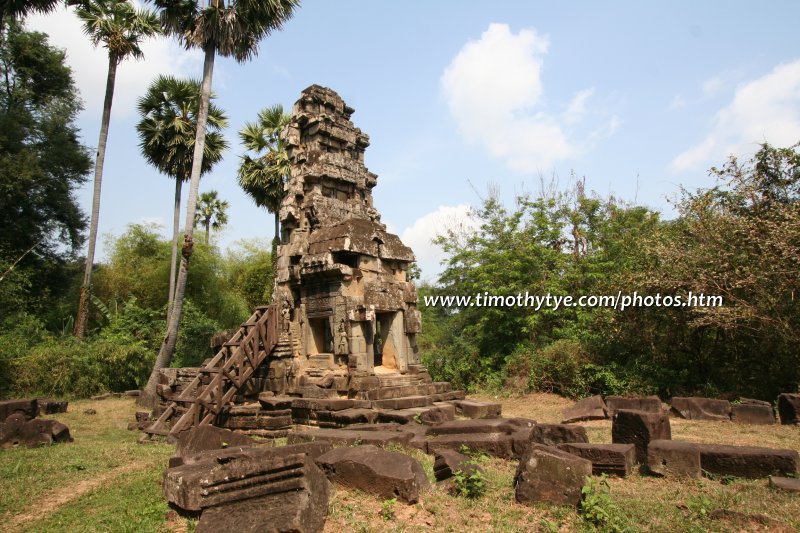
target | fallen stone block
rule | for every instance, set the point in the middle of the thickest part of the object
(51, 407)
(748, 461)
(303, 511)
(547, 474)
(258, 422)
(17, 431)
(328, 404)
(696, 408)
(521, 423)
(438, 413)
(348, 417)
(275, 403)
(477, 409)
(28, 408)
(240, 475)
(375, 471)
(647, 404)
(591, 408)
(201, 438)
(351, 437)
(753, 413)
(255, 452)
(639, 428)
(403, 403)
(673, 458)
(494, 444)
(447, 462)
(789, 408)
(611, 459)
(489, 425)
(789, 484)
(555, 434)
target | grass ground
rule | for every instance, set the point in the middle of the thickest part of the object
(105, 481)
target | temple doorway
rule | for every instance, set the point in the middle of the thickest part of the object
(386, 342)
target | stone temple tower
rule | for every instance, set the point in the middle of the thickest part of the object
(349, 311)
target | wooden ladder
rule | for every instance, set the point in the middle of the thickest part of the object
(231, 367)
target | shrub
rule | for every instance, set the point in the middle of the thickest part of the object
(597, 509)
(469, 482)
(67, 367)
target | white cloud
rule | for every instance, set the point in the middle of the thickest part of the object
(494, 90)
(678, 102)
(764, 109)
(577, 107)
(713, 85)
(90, 64)
(420, 234)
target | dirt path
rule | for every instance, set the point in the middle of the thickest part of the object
(54, 500)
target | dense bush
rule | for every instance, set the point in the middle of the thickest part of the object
(36, 362)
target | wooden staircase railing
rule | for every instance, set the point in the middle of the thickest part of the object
(231, 367)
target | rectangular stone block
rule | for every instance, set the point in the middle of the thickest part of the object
(28, 408)
(258, 422)
(547, 474)
(494, 444)
(751, 413)
(673, 458)
(639, 428)
(611, 459)
(696, 408)
(351, 437)
(477, 409)
(555, 434)
(789, 408)
(403, 403)
(748, 461)
(647, 404)
(196, 486)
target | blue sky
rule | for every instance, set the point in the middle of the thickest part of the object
(641, 98)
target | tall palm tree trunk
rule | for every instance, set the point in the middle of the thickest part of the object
(176, 225)
(81, 319)
(208, 231)
(148, 397)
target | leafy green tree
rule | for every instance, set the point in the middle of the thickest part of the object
(211, 212)
(232, 30)
(166, 138)
(42, 164)
(121, 28)
(741, 241)
(251, 272)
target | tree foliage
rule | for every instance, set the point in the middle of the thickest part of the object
(739, 240)
(42, 163)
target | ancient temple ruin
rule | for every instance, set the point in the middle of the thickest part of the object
(343, 321)
(342, 279)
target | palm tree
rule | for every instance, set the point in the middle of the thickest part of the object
(167, 132)
(211, 212)
(121, 28)
(264, 176)
(22, 8)
(233, 31)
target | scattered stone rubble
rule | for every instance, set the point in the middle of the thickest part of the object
(743, 411)
(19, 425)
